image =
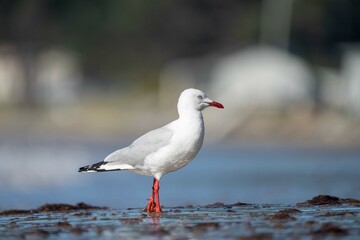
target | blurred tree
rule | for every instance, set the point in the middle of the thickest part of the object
(320, 27)
(123, 36)
(131, 40)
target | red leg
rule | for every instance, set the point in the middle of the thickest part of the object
(151, 204)
(156, 190)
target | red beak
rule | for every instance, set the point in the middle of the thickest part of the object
(216, 104)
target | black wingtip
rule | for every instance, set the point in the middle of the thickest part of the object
(95, 167)
(84, 169)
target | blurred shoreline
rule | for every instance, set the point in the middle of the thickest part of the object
(125, 120)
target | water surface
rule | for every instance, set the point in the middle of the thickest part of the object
(41, 170)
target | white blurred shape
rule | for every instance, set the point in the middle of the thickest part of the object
(258, 78)
(11, 76)
(261, 77)
(351, 74)
(58, 76)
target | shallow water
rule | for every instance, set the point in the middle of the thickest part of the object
(260, 221)
(38, 170)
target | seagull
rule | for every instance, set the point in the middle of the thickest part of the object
(165, 149)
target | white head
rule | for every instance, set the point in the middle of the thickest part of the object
(194, 99)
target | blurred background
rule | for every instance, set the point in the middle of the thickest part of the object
(80, 79)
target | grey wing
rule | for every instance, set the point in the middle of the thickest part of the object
(136, 153)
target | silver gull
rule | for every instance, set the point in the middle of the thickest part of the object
(165, 149)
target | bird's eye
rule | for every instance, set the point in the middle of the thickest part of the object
(200, 97)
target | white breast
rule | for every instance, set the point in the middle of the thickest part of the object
(185, 144)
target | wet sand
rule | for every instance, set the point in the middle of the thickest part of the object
(322, 216)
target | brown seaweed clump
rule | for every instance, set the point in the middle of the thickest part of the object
(328, 200)
(240, 204)
(221, 204)
(60, 207)
(323, 199)
(283, 215)
(14, 212)
(65, 207)
(215, 205)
